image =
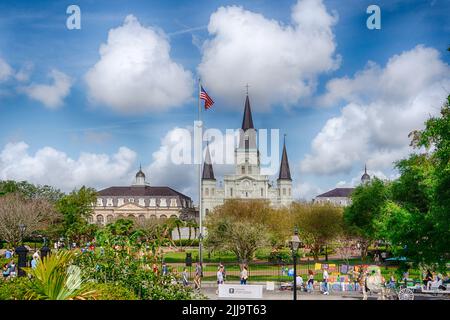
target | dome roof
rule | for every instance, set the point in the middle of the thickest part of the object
(365, 176)
(140, 174)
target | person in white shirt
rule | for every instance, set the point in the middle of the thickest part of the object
(325, 282)
(299, 281)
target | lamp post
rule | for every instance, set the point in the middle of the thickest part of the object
(294, 244)
(21, 252)
(45, 251)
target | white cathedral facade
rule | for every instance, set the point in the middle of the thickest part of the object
(246, 182)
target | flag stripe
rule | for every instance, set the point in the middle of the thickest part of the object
(204, 96)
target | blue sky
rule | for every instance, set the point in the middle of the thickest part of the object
(35, 34)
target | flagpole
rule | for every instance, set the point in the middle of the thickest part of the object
(200, 205)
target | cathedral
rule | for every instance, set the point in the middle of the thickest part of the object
(246, 182)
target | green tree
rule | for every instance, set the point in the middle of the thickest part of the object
(417, 220)
(318, 224)
(76, 208)
(240, 237)
(31, 191)
(368, 201)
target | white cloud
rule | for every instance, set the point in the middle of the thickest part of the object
(24, 73)
(280, 62)
(51, 95)
(384, 106)
(306, 191)
(5, 70)
(56, 168)
(135, 72)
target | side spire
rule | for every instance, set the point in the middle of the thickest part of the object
(285, 172)
(208, 172)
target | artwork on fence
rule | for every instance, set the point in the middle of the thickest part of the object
(325, 266)
(332, 267)
(317, 266)
(344, 268)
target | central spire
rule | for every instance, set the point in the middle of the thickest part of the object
(247, 121)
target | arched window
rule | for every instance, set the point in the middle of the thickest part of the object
(153, 216)
(141, 218)
(262, 192)
(163, 217)
(90, 219)
(284, 191)
(109, 218)
(174, 216)
(243, 170)
(100, 219)
(212, 191)
(206, 211)
(206, 192)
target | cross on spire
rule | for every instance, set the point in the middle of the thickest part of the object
(246, 86)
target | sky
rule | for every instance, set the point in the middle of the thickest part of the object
(89, 106)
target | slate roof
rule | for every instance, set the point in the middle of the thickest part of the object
(337, 192)
(141, 191)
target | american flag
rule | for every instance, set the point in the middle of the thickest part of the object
(204, 96)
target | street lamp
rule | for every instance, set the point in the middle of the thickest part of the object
(294, 244)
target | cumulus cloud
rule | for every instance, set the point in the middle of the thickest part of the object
(56, 168)
(51, 95)
(383, 106)
(5, 70)
(248, 48)
(135, 72)
(306, 191)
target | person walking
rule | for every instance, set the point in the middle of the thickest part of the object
(244, 275)
(164, 268)
(34, 262)
(198, 276)
(219, 278)
(325, 282)
(185, 277)
(310, 285)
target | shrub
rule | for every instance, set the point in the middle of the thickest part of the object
(14, 289)
(112, 291)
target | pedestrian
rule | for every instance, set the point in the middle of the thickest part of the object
(164, 268)
(155, 268)
(198, 276)
(36, 255)
(219, 278)
(299, 282)
(325, 282)
(6, 271)
(34, 262)
(310, 286)
(185, 277)
(244, 275)
(12, 269)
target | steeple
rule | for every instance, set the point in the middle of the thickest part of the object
(140, 177)
(365, 177)
(247, 121)
(285, 172)
(208, 172)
